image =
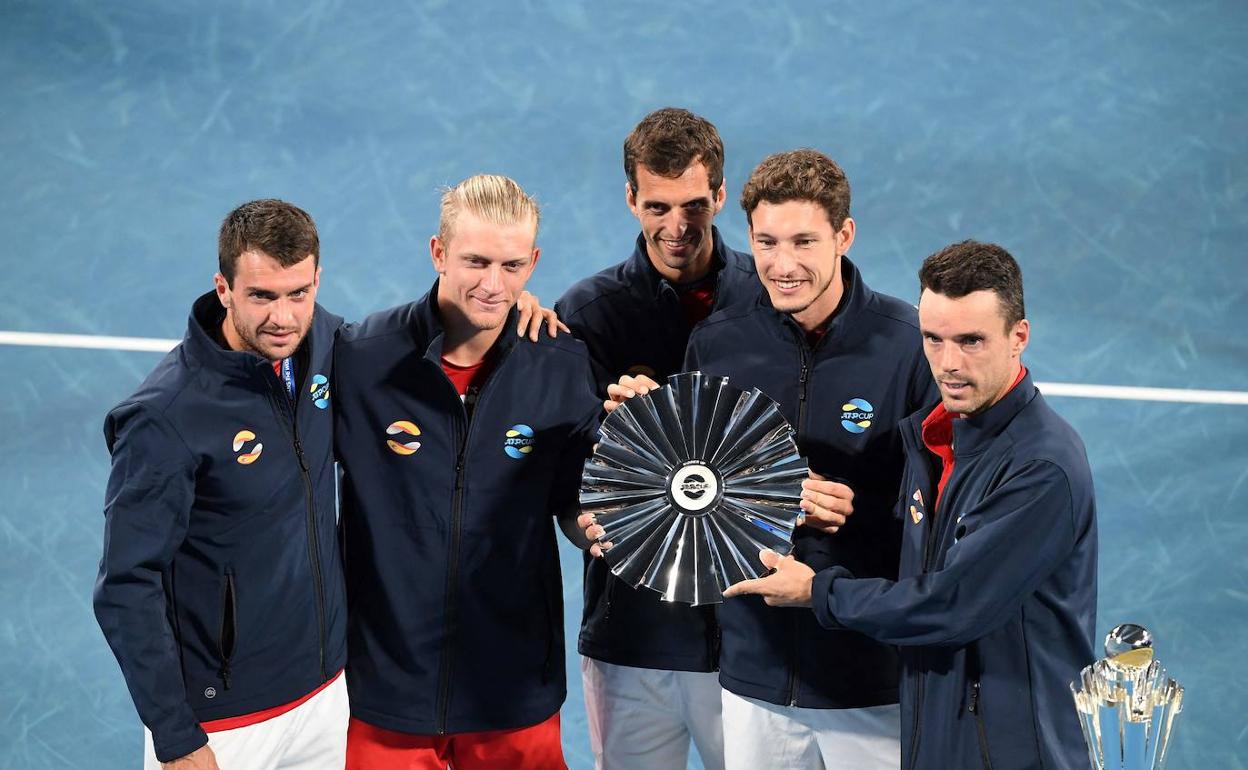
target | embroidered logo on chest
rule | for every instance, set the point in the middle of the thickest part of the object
(856, 415)
(320, 391)
(402, 432)
(916, 511)
(519, 442)
(241, 440)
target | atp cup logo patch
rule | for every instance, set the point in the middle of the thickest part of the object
(402, 430)
(519, 442)
(320, 391)
(916, 511)
(856, 415)
(240, 440)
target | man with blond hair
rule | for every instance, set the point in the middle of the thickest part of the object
(459, 445)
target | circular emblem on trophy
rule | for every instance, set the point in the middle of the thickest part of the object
(693, 488)
(690, 482)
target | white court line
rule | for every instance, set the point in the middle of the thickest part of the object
(1069, 389)
(1179, 395)
(90, 341)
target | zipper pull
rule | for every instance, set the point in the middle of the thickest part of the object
(303, 462)
(974, 709)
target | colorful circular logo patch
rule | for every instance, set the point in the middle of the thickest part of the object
(519, 442)
(856, 415)
(250, 456)
(320, 391)
(402, 430)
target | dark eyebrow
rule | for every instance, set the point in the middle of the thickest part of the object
(266, 294)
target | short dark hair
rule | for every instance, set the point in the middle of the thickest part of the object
(798, 175)
(970, 266)
(670, 140)
(281, 230)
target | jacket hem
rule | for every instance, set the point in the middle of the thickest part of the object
(527, 717)
(644, 658)
(777, 695)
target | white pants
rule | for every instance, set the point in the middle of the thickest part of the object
(643, 718)
(760, 735)
(310, 737)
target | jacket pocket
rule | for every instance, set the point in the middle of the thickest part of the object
(977, 710)
(552, 632)
(227, 639)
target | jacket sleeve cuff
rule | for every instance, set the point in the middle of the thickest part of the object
(182, 743)
(821, 595)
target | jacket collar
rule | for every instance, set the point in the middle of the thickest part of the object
(642, 273)
(203, 331)
(846, 320)
(973, 434)
(427, 329)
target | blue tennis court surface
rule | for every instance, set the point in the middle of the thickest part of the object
(1104, 143)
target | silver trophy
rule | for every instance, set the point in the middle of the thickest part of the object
(690, 482)
(1127, 704)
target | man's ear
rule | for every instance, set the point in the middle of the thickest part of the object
(1020, 335)
(845, 236)
(437, 252)
(222, 287)
(630, 197)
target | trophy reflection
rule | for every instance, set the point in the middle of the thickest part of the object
(1127, 704)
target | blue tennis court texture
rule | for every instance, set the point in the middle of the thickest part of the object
(1105, 144)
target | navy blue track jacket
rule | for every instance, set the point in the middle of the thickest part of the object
(452, 564)
(845, 398)
(631, 320)
(995, 607)
(220, 590)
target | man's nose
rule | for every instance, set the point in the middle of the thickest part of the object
(283, 313)
(493, 280)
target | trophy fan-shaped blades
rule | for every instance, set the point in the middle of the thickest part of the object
(689, 482)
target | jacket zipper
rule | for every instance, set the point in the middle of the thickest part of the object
(448, 607)
(803, 384)
(452, 577)
(935, 529)
(290, 412)
(713, 640)
(609, 592)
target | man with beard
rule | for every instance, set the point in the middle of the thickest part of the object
(648, 666)
(995, 606)
(458, 447)
(844, 364)
(220, 589)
